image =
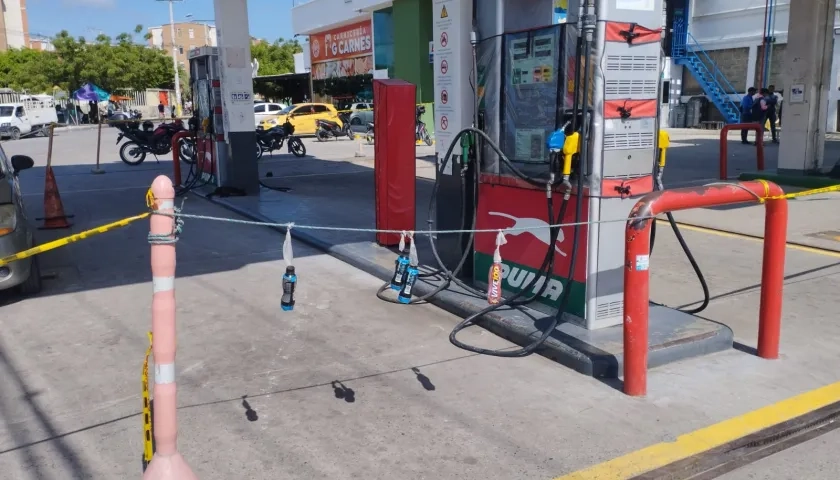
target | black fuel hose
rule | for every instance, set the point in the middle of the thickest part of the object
(565, 295)
(689, 255)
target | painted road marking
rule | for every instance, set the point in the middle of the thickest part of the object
(728, 234)
(699, 441)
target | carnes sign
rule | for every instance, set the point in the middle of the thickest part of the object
(349, 41)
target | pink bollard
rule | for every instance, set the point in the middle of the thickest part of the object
(167, 463)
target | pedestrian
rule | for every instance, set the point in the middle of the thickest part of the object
(773, 104)
(759, 110)
(161, 110)
(746, 112)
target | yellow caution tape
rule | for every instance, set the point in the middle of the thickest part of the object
(71, 239)
(805, 193)
(148, 450)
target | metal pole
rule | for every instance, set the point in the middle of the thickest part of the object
(637, 274)
(96, 169)
(175, 59)
(50, 145)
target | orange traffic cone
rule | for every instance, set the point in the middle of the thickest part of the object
(54, 217)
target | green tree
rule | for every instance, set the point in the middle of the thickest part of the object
(275, 59)
(112, 64)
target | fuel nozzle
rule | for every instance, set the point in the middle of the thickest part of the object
(571, 147)
(664, 143)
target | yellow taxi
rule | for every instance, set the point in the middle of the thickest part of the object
(303, 117)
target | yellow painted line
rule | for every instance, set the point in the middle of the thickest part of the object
(699, 441)
(722, 233)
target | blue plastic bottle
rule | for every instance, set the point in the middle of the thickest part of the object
(400, 272)
(408, 285)
(287, 303)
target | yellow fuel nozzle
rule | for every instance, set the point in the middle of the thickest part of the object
(664, 143)
(570, 147)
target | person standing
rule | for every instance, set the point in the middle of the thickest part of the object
(746, 112)
(759, 110)
(773, 105)
(161, 110)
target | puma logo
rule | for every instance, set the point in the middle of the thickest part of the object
(535, 227)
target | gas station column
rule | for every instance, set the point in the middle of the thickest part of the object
(807, 77)
(239, 169)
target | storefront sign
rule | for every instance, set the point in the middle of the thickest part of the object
(349, 41)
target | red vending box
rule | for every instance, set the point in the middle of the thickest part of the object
(395, 160)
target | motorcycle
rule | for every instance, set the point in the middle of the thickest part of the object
(328, 129)
(157, 141)
(369, 133)
(420, 132)
(273, 139)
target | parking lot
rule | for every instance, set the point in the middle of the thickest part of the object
(347, 386)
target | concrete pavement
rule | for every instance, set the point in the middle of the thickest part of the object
(71, 357)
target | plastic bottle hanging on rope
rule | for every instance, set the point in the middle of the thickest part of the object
(412, 272)
(287, 302)
(494, 282)
(400, 265)
(288, 253)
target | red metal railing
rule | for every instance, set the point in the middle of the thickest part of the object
(176, 155)
(759, 145)
(637, 276)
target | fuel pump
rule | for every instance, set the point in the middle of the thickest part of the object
(211, 149)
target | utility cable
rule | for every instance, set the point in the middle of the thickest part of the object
(689, 255)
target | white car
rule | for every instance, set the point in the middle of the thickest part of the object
(264, 111)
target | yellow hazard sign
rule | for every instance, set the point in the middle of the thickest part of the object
(443, 13)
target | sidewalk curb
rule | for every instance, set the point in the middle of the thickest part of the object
(803, 181)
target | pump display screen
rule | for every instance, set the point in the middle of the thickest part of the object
(529, 93)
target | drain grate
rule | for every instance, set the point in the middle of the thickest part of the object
(827, 235)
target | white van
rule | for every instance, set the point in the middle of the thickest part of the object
(33, 114)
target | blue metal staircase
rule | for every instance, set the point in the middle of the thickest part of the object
(687, 52)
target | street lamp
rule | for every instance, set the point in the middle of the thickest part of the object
(174, 56)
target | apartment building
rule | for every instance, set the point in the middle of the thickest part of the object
(41, 43)
(188, 35)
(14, 25)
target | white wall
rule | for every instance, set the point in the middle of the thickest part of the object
(317, 15)
(157, 36)
(302, 60)
(14, 24)
(717, 24)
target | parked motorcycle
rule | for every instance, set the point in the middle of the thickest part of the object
(273, 139)
(157, 141)
(420, 132)
(329, 129)
(369, 133)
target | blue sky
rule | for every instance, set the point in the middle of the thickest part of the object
(269, 19)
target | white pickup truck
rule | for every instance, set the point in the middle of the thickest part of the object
(32, 115)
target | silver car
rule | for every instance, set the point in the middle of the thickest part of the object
(15, 232)
(361, 113)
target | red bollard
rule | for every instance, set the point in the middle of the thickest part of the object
(637, 275)
(724, 149)
(167, 463)
(176, 155)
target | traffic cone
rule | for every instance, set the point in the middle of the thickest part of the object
(54, 217)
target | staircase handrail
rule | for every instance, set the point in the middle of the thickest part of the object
(694, 46)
